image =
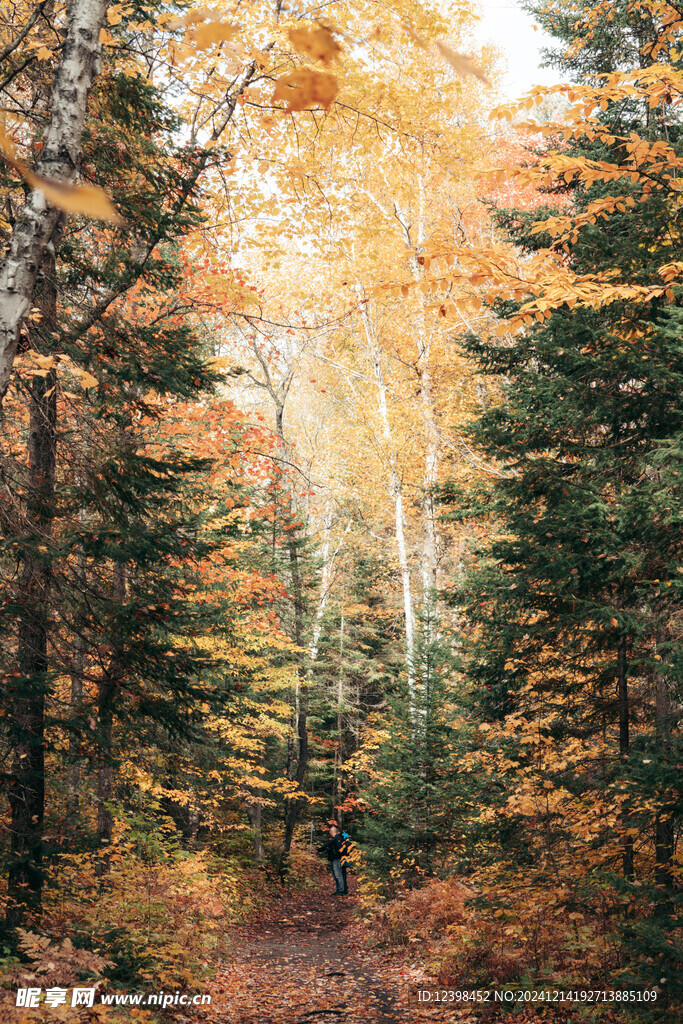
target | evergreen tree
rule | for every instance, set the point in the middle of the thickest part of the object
(415, 799)
(575, 600)
(99, 548)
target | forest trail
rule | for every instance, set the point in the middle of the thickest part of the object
(303, 963)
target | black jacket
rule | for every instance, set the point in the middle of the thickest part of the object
(332, 848)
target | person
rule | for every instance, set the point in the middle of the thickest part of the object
(346, 851)
(333, 849)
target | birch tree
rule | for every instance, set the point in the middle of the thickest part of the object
(37, 221)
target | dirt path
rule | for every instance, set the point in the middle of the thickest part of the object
(302, 963)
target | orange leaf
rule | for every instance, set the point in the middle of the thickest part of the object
(84, 199)
(214, 32)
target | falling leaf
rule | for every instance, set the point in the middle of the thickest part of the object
(305, 88)
(87, 200)
(7, 148)
(422, 43)
(214, 32)
(316, 42)
(87, 379)
(463, 64)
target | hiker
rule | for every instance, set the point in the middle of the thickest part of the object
(346, 860)
(334, 849)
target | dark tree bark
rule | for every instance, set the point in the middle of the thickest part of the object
(301, 708)
(622, 676)
(109, 688)
(29, 687)
(76, 672)
(665, 836)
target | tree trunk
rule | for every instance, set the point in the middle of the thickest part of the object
(73, 784)
(622, 675)
(76, 670)
(396, 492)
(60, 156)
(106, 704)
(300, 732)
(431, 432)
(664, 824)
(339, 760)
(105, 772)
(28, 689)
(254, 813)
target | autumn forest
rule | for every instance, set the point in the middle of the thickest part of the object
(340, 485)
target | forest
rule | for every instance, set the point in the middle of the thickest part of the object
(340, 485)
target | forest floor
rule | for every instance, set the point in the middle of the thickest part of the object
(305, 962)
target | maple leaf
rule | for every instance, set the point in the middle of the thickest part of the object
(317, 42)
(306, 88)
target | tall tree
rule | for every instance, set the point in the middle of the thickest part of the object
(574, 600)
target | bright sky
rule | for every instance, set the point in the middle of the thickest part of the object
(511, 29)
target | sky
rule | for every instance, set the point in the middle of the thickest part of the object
(507, 26)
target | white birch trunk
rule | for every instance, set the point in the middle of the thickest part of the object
(396, 492)
(36, 222)
(430, 540)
